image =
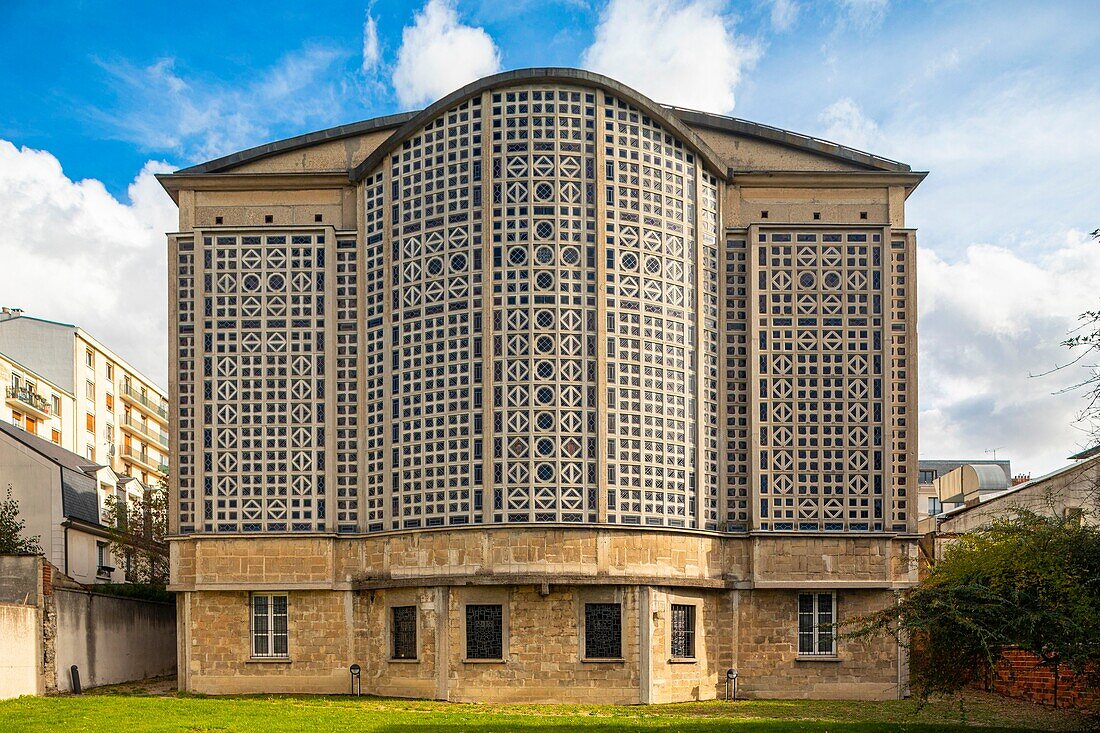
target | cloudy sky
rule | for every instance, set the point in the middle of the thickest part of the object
(1000, 101)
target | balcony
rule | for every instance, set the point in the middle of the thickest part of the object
(146, 461)
(149, 431)
(28, 400)
(153, 408)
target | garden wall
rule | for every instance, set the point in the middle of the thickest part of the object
(1018, 674)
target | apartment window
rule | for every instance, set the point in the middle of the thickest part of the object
(110, 402)
(16, 380)
(603, 631)
(103, 558)
(55, 436)
(816, 614)
(934, 506)
(32, 426)
(485, 631)
(109, 433)
(89, 452)
(926, 475)
(55, 405)
(17, 419)
(110, 371)
(269, 626)
(89, 422)
(683, 631)
(89, 389)
(89, 358)
(404, 632)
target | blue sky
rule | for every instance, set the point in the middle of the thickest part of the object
(998, 100)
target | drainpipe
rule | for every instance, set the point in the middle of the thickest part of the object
(66, 525)
(897, 604)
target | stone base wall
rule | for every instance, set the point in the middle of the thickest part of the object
(341, 592)
(770, 666)
(754, 632)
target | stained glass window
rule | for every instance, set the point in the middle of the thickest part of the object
(484, 631)
(603, 631)
(404, 632)
(683, 631)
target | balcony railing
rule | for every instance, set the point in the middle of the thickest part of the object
(156, 408)
(145, 460)
(30, 398)
(149, 430)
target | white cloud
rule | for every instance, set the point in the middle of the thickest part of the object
(987, 323)
(681, 52)
(77, 254)
(783, 14)
(439, 54)
(864, 13)
(845, 123)
(372, 49)
(161, 109)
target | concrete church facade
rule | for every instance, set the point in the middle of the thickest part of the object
(546, 392)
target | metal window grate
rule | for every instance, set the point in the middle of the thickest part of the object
(484, 631)
(404, 632)
(683, 631)
(603, 631)
(816, 614)
(269, 626)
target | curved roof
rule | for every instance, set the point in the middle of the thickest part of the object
(675, 119)
(988, 478)
(523, 76)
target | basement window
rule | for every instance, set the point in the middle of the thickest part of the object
(269, 626)
(816, 616)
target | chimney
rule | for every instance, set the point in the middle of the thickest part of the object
(6, 313)
(1021, 478)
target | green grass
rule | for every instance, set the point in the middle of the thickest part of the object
(132, 709)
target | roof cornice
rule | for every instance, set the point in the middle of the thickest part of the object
(711, 159)
(283, 181)
(827, 179)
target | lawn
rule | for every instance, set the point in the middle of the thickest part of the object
(137, 709)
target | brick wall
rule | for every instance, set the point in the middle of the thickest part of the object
(1018, 674)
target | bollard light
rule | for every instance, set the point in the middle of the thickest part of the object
(356, 684)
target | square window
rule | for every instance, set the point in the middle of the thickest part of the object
(603, 631)
(269, 626)
(485, 631)
(404, 632)
(816, 615)
(683, 631)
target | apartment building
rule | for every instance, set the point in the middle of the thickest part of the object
(36, 404)
(119, 416)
